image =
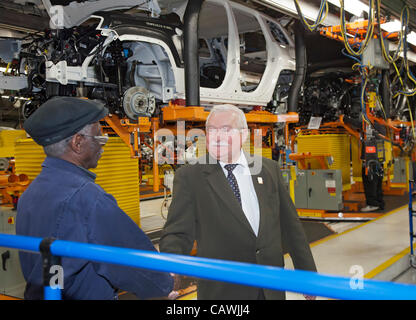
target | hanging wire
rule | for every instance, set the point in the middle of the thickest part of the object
(319, 19)
(400, 47)
(370, 29)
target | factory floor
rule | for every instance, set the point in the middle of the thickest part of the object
(380, 247)
(152, 217)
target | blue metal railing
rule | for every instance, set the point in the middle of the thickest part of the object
(274, 278)
(411, 215)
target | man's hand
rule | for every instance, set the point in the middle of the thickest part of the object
(176, 286)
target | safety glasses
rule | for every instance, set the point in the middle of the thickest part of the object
(103, 139)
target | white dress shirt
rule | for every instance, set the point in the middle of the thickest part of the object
(249, 201)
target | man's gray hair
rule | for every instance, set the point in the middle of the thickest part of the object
(57, 149)
(241, 118)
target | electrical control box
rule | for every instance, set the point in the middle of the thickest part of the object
(374, 150)
(373, 54)
(286, 178)
(319, 189)
(402, 170)
(12, 282)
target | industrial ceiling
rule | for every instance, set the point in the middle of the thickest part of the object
(18, 18)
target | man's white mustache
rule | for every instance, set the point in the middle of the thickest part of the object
(219, 144)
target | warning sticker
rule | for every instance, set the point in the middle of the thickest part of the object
(370, 149)
(330, 184)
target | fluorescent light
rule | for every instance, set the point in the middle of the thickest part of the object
(355, 7)
(411, 38)
(411, 56)
(18, 98)
(392, 26)
(310, 11)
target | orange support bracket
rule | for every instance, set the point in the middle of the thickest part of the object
(302, 157)
(128, 131)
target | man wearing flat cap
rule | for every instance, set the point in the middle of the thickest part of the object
(64, 202)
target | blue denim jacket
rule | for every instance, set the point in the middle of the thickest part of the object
(65, 203)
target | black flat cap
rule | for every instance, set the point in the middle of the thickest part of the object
(62, 117)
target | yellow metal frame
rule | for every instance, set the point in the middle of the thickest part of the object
(128, 131)
(175, 112)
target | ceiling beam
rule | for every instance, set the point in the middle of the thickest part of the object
(309, 11)
(393, 8)
(13, 20)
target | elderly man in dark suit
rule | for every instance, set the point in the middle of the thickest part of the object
(236, 208)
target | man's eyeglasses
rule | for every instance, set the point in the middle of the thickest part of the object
(223, 130)
(103, 139)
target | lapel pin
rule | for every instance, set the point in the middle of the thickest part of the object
(260, 180)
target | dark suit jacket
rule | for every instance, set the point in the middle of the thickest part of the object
(204, 208)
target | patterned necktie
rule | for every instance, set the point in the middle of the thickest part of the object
(233, 181)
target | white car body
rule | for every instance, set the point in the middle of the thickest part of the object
(277, 56)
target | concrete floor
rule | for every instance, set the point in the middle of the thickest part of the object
(368, 245)
(409, 276)
(377, 246)
(380, 246)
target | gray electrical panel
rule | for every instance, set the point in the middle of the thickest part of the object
(319, 189)
(373, 54)
(301, 189)
(399, 170)
(286, 178)
(12, 282)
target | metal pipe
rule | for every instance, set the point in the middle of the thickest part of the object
(411, 211)
(191, 57)
(268, 277)
(49, 260)
(50, 293)
(156, 179)
(385, 93)
(301, 65)
(23, 243)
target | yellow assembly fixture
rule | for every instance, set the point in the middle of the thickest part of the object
(28, 158)
(337, 145)
(201, 145)
(249, 148)
(117, 173)
(8, 138)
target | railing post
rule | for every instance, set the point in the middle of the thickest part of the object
(48, 260)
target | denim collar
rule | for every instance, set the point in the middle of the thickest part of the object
(51, 162)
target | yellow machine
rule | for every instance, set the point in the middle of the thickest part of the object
(117, 173)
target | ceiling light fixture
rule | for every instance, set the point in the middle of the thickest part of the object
(411, 38)
(355, 7)
(391, 26)
(310, 11)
